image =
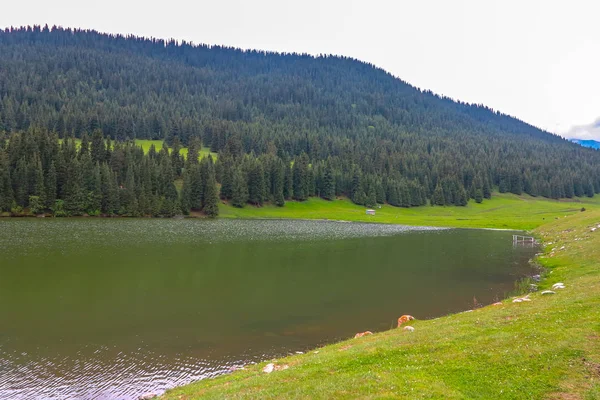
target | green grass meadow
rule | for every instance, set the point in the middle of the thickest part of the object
(503, 211)
(548, 348)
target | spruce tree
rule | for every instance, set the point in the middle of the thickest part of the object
(288, 181)
(6, 190)
(50, 186)
(98, 148)
(240, 189)
(211, 197)
(256, 184)
(328, 184)
(438, 196)
(278, 173)
(186, 191)
(226, 177)
(194, 147)
(478, 195)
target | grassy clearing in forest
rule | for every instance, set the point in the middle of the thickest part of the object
(546, 348)
(146, 144)
(503, 211)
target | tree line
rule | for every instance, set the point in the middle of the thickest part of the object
(40, 173)
(285, 127)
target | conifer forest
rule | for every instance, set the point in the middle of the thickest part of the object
(283, 127)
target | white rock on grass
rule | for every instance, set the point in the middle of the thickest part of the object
(269, 368)
(521, 299)
(408, 328)
(272, 367)
(548, 292)
(558, 285)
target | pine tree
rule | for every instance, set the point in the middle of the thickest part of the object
(195, 197)
(438, 196)
(328, 184)
(50, 186)
(19, 182)
(589, 189)
(226, 177)
(6, 190)
(240, 189)
(461, 198)
(194, 148)
(487, 191)
(84, 147)
(278, 173)
(288, 181)
(176, 158)
(478, 195)
(256, 184)
(186, 191)
(357, 192)
(98, 148)
(301, 178)
(38, 188)
(74, 198)
(129, 203)
(211, 197)
(371, 199)
(94, 195)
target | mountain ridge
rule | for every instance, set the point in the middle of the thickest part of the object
(285, 126)
(195, 55)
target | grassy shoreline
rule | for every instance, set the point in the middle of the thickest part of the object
(503, 211)
(546, 348)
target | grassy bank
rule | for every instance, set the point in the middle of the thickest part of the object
(503, 211)
(546, 348)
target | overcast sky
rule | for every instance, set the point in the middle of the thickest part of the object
(536, 60)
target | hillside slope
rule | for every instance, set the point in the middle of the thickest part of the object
(286, 126)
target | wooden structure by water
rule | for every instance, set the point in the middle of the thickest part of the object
(520, 239)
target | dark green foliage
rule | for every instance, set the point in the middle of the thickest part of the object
(211, 197)
(328, 184)
(58, 209)
(438, 196)
(256, 183)
(288, 182)
(301, 178)
(6, 190)
(36, 205)
(292, 125)
(98, 150)
(240, 189)
(50, 186)
(277, 176)
(478, 195)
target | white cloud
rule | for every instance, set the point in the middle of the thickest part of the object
(589, 131)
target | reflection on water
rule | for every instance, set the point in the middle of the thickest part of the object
(105, 309)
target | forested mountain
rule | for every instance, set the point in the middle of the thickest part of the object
(286, 126)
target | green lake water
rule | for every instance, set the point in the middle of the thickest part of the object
(111, 309)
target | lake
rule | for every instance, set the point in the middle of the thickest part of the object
(114, 308)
